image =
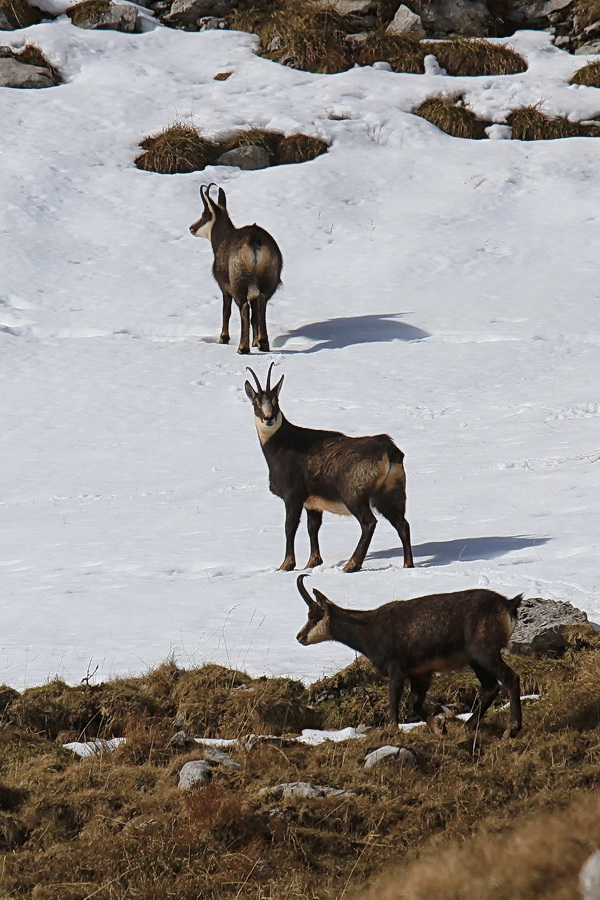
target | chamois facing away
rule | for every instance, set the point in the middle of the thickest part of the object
(326, 470)
(415, 638)
(247, 268)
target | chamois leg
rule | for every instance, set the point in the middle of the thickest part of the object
(254, 322)
(491, 673)
(261, 309)
(314, 518)
(244, 346)
(293, 511)
(224, 336)
(397, 677)
(419, 685)
(367, 523)
(392, 508)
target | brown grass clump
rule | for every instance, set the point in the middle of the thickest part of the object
(589, 75)
(403, 54)
(462, 56)
(32, 55)
(82, 12)
(530, 124)
(177, 149)
(451, 117)
(298, 148)
(300, 36)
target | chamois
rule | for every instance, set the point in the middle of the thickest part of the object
(247, 268)
(326, 470)
(415, 638)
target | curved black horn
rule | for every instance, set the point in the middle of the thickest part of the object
(268, 387)
(303, 592)
(252, 372)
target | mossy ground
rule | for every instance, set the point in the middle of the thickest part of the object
(116, 826)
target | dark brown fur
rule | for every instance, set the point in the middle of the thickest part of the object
(247, 268)
(326, 470)
(412, 639)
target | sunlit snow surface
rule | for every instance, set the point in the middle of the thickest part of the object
(441, 290)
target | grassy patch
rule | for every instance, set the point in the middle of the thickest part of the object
(181, 148)
(450, 116)
(403, 54)
(177, 149)
(462, 56)
(530, 124)
(589, 75)
(32, 55)
(116, 825)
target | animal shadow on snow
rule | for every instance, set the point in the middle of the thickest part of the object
(443, 553)
(344, 331)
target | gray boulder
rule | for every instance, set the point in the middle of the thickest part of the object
(196, 772)
(440, 17)
(542, 626)
(185, 14)
(249, 158)
(348, 7)
(591, 47)
(17, 74)
(406, 22)
(304, 790)
(109, 17)
(398, 755)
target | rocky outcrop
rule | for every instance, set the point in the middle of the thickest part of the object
(17, 74)
(249, 158)
(543, 626)
(19, 14)
(104, 15)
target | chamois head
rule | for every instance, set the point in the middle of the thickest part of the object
(267, 415)
(316, 629)
(204, 226)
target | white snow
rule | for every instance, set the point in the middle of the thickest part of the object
(443, 291)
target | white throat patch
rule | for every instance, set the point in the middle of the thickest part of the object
(267, 431)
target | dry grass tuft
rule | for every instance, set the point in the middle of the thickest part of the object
(530, 124)
(586, 12)
(298, 148)
(589, 75)
(450, 116)
(33, 56)
(82, 12)
(462, 56)
(178, 149)
(403, 54)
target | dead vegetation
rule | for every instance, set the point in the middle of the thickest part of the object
(589, 74)
(531, 124)
(181, 148)
(451, 116)
(472, 57)
(115, 825)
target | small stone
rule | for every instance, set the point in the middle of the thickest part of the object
(304, 790)
(214, 755)
(194, 773)
(388, 753)
(17, 74)
(182, 740)
(248, 158)
(591, 47)
(406, 22)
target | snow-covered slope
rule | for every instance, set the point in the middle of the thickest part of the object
(443, 291)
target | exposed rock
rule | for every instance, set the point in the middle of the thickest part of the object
(388, 753)
(181, 740)
(104, 16)
(16, 74)
(305, 790)
(591, 47)
(356, 39)
(215, 756)
(537, 12)
(348, 7)
(541, 626)
(589, 877)
(249, 157)
(441, 17)
(210, 23)
(250, 741)
(186, 13)
(406, 22)
(18, 14)
(198, 771)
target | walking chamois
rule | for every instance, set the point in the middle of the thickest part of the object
(247, 268)
(412, 639)
(326, 470)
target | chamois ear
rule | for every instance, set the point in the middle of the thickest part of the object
(221, 201)
(250, 392)
(277, 387)
(321, 599)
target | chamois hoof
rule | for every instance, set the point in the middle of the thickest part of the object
(244, 349)
(224, 339)
(409, 565)
(313, 561)
(351, 566)
(288, 565)
(512, 730)
(263, 346)
(437, 724)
